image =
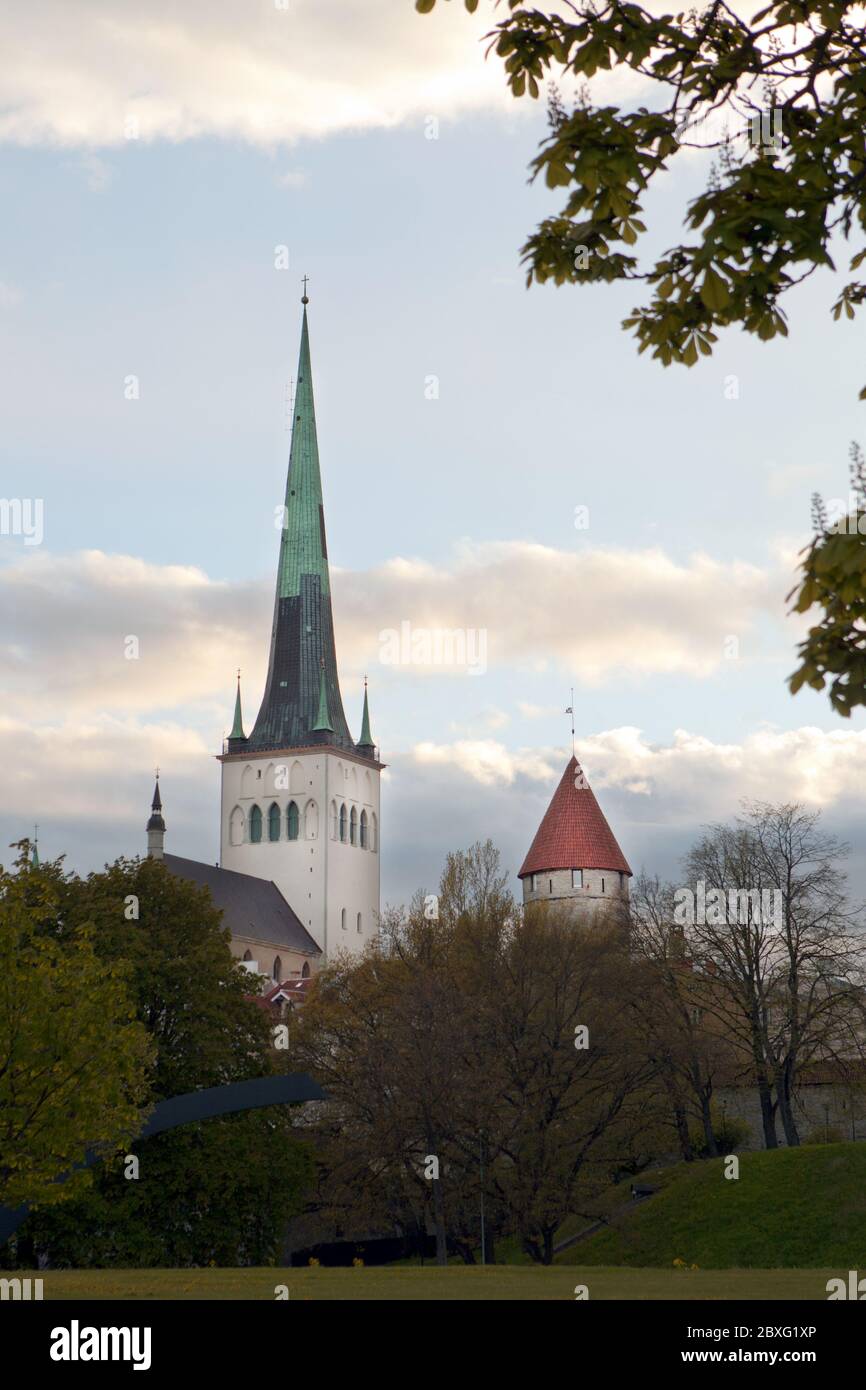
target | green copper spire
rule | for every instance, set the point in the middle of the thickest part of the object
(34, 855)
(302, 636)
(366, 739)
(323, 719)
(238, 726)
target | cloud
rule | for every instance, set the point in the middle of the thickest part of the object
(691, 776)
(66, 622)
(80, 74)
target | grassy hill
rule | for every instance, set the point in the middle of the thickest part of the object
(791, 1208)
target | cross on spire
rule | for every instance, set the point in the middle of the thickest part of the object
(305, 299)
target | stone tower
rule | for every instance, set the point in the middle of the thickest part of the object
(300, 798)
(574, 857)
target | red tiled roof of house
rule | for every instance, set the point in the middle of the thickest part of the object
(573, 833)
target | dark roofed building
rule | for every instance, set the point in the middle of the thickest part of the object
(266, 931)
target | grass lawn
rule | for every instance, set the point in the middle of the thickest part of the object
(495, 1282)
(789, 1208)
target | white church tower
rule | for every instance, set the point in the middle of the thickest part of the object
(300, 798)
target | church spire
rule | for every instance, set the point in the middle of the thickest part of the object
(365, 742)
(237, 737)
(303, 656)
(156, 825)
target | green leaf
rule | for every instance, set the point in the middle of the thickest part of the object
(714, 291)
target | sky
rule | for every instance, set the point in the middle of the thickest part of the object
(495, 459)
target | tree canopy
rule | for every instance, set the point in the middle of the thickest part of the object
(780, 101)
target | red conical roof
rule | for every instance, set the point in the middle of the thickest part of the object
(574, 833)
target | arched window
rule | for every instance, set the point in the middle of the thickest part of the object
(343, 822)
(343, 919)
(353, 827)
(333, 820)
(360, 928)
(274, 819)
(248, 955)
(255, 825)
(247, 781)
(305, 973)
(297, 778)
(374, 832)
(363, 830)
(236, 827)
(293, 820)
(278, 970)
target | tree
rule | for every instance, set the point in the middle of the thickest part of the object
(219, 1191)
(476, 1038)
(688, 1055)
(834, 579)
(780, 100)
(777, 954)
(74, 1061)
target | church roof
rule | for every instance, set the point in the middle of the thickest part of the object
(303, 656)
(252, 907)
(573, 833)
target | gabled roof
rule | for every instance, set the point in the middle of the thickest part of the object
(573, 833)
(251, 907)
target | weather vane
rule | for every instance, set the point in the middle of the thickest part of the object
(570, 710)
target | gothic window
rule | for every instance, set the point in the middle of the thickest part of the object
(247, 780)
(353, 827)
(278, 970)
(255, 825)
(343, 822)
(333, 820)
(374, 832)
(360, 928)
(236, 826)
(293, 820)
(274, 818)
(305, 973)
(363, 830)
(248, 955)
(297, 778)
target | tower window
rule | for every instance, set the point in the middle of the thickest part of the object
(363, 830)
(278, 970)
(274, 819)
(343, 919)
(256, 825)
(305, 973)
(550, 885)
(621, 879)
(353, 827)
(343, 822)
(602, 885)
(577, 878)
(293, 820)
(533, 883)
(360, 928)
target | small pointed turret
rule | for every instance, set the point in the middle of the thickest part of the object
(237, 738)
(156, 825)
(323, 719)
(365, 744)
(34, 853)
